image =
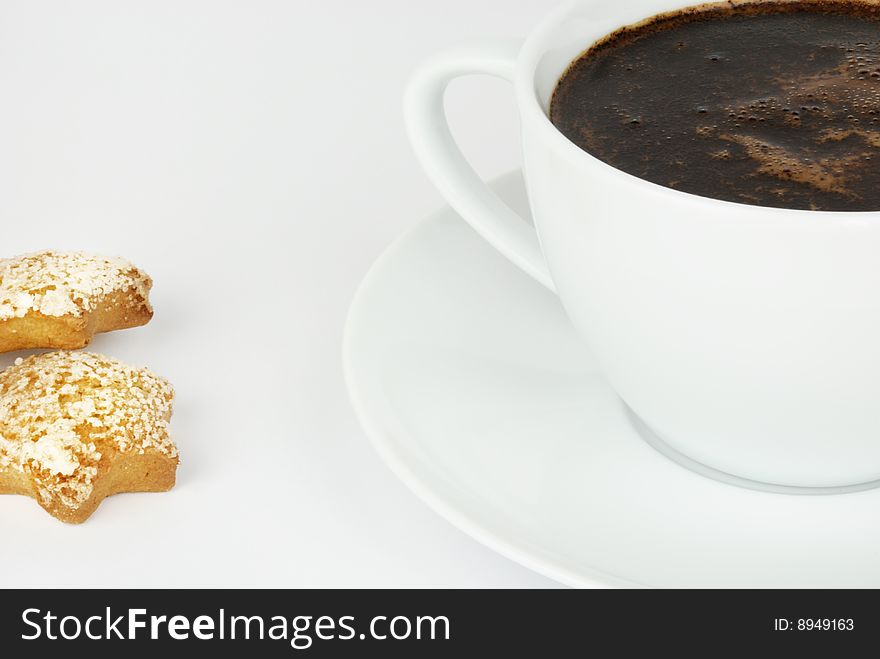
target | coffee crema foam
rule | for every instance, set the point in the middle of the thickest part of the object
(770, 103)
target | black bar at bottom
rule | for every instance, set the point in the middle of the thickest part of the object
(428, 623)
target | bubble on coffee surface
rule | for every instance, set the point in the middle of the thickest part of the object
(767, 104)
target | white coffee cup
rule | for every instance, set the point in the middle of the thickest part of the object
(747, 338)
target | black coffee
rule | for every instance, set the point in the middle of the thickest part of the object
(774, 104)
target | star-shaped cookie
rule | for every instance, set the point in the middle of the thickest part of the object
(62, 299)
(76, 427)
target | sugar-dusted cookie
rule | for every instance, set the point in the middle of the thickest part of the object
(62, 299)
(76, 427)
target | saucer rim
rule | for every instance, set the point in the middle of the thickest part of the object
(398, 466)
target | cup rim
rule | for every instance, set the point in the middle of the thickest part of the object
(530, 107)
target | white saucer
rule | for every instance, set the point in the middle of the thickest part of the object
(476, 392)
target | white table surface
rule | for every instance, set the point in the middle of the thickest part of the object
(251, 156)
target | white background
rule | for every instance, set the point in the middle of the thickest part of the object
(251, 156)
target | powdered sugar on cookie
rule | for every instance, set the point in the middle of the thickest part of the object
(65, 415)
(64, 283)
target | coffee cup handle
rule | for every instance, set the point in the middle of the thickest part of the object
(446, 166)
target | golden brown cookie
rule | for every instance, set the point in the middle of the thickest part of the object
(62, 299)
(76, 427)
